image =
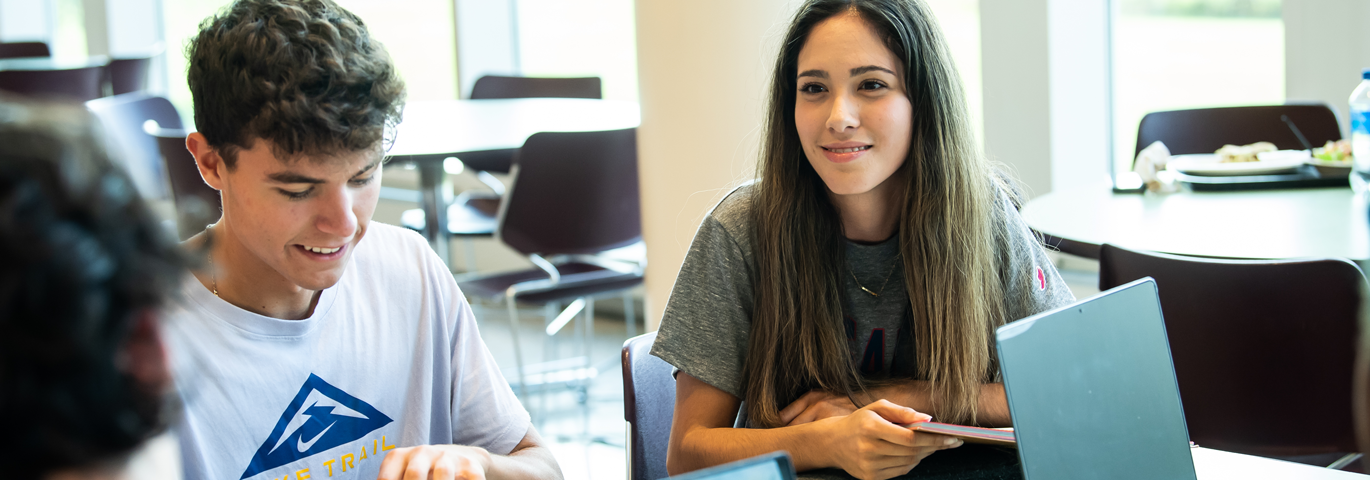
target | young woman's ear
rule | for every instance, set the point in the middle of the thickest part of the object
(211, 165)
(142, 355)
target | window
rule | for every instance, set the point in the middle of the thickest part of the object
(1177, 54)
(580, 38)
(418, 35)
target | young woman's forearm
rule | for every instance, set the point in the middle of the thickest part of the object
(705, 447)
(991, 409)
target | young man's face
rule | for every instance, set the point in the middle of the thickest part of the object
(302, 218)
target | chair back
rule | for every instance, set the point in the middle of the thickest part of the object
(648, 406)
(127, 75)
(197, 204)
(24, 49)
(573, 193)
(71, 84)
(122, 118)
(494, 86)
(1205, 130)
(1262, 349)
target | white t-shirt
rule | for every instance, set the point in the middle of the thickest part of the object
(390, 358)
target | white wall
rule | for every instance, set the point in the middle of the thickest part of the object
(1326, 46)
(703, 67)
(1046, 90)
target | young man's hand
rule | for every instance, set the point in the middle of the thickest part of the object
(436, 462)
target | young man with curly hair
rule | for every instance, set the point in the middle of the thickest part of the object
(317, 343)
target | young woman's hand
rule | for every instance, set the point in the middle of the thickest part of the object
(869, 443)
(816, 405)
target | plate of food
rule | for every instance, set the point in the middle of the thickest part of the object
(1333, 159)
(1260, 158)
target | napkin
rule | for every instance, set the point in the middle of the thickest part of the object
(1150, 162)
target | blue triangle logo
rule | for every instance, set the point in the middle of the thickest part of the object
(319, 418)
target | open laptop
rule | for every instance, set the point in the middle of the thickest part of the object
(1092, 390)
(771, 466)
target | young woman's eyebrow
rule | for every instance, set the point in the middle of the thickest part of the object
(813, 73)
(871, 68)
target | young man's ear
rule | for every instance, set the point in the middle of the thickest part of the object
(211, 165)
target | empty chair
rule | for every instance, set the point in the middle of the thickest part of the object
(575, 197)
(127, 75)
(648, 406)
(122, 118)
(494, 86)
(72, 84)
(197, 204)
(1205, 130)
(24, 49)
(1262, 349)
(472, 214)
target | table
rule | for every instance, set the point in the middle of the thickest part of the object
(431, 131)
(1265, 224)
(50, 63)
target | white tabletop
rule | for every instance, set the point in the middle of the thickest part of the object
(1313, 222)
(455, 126)
(1219, 465)
(51, 63)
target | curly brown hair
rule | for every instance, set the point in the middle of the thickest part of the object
(304, 75)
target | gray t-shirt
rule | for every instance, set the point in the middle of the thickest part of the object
(705, 329)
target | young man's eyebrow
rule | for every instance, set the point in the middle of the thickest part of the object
(292, 177)
(813, 73)
(871, 68)
(370, 166)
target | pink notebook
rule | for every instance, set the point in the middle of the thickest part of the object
(988, 436)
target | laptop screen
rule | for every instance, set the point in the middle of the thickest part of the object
(771, 466)
(1092, 390)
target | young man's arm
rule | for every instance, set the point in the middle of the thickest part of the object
(530, 459)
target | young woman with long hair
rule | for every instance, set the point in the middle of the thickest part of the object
(857, 284)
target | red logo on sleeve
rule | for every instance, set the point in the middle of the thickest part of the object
(1041, 279)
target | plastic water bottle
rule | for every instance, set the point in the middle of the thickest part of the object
(1360, 134)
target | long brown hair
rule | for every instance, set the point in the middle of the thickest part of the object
(947, 234)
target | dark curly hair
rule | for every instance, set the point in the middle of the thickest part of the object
(303, 74)
(82, 264)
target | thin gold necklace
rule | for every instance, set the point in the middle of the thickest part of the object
(213, 276)
(883, 284)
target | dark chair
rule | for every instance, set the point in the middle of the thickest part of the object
(24, 49)
(493, 86)
(128, 75)
(197, 204)
(72, 84)
(123, 118)
(575, 197)
(472, 214)
(1205, 130)
(648, 406)
(1262, 348)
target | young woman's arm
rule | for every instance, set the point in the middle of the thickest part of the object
(864, 443)
(992, 409)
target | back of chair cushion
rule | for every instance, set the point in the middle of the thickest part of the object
(1205, 130)
(648, 406)
(1263, 350)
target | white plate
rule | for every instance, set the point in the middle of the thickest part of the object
(1207, 164)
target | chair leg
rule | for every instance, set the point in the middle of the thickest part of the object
(518, 352)
(628, 316)
(1344, 461)
(587, 341)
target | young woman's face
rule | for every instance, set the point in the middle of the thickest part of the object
(852, 113)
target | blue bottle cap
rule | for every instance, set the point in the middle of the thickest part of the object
(1365, 74)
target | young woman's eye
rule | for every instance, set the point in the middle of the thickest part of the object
(872, 85)
(295, 195)
(812, 88)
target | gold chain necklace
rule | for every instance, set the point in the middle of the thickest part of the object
(213, 276)
(883, 284)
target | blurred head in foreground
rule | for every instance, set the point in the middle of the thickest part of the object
(83, 265)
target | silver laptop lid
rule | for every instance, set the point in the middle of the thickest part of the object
(1092, 390)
